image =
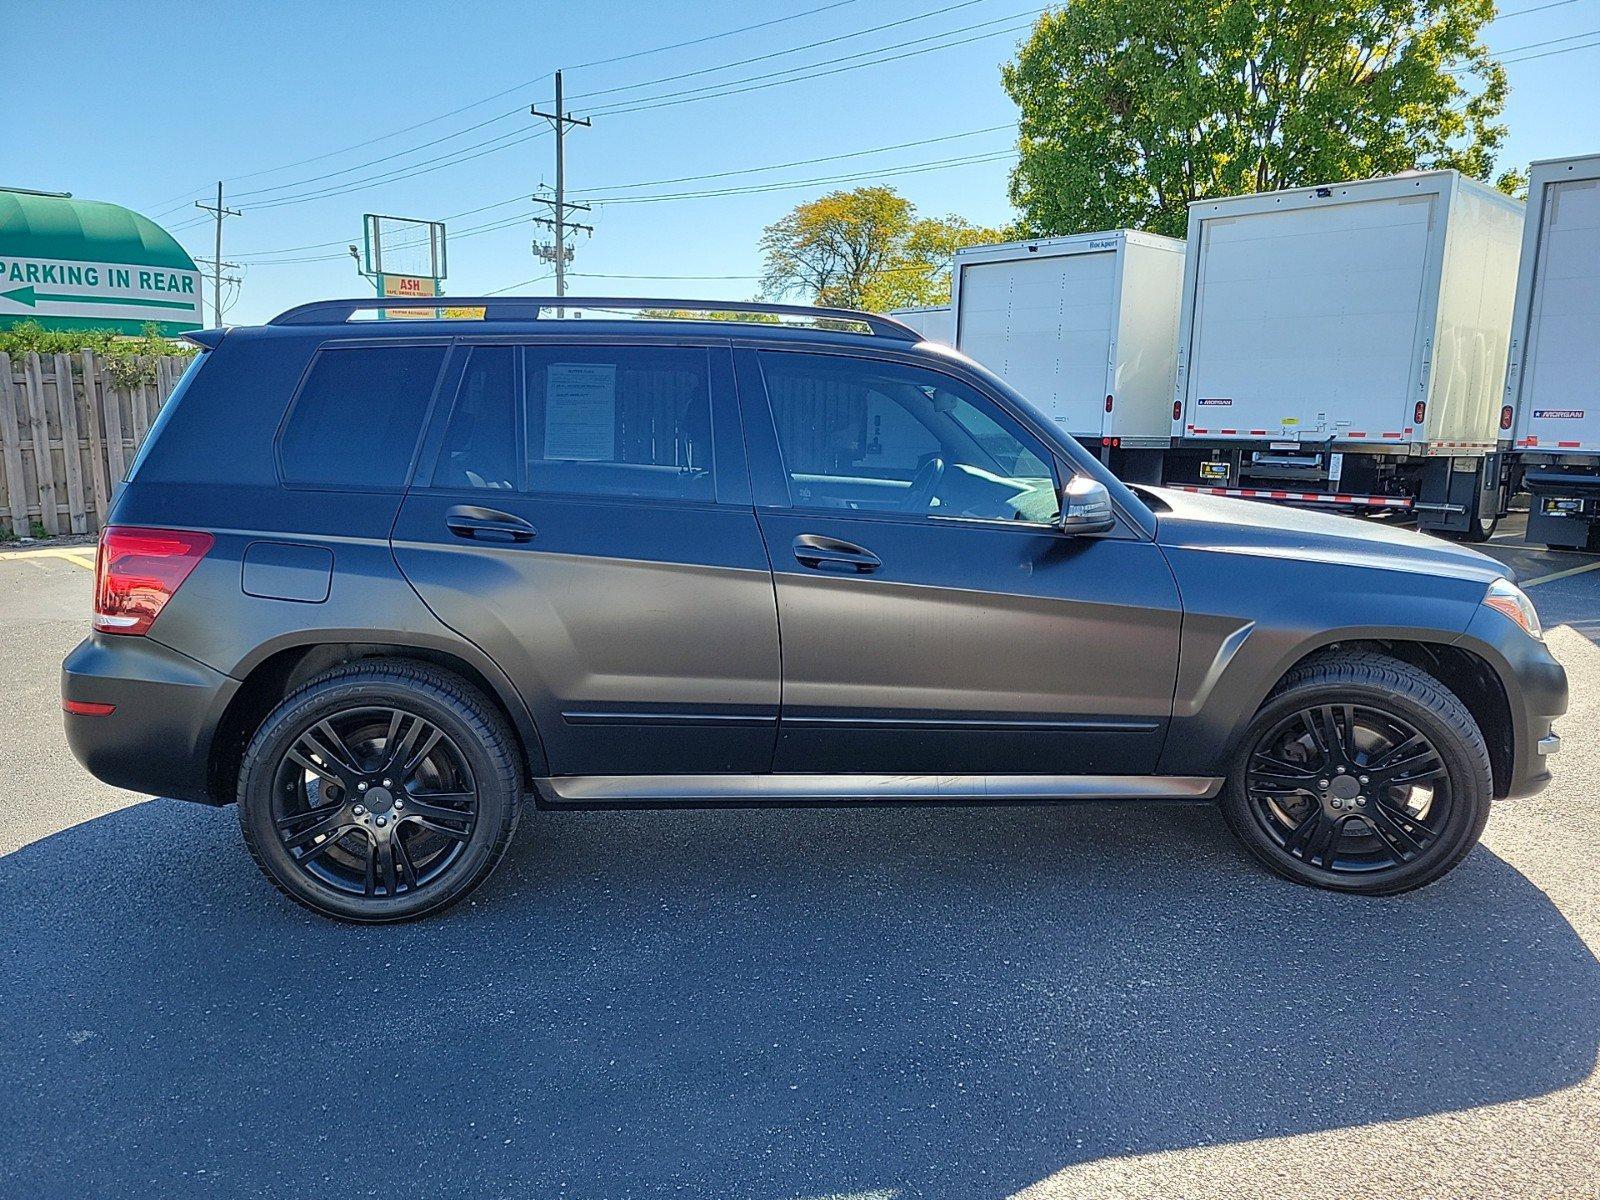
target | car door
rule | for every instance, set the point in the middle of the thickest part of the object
(934, 618)
(585, 519)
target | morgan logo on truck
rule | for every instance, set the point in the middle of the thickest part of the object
(1575, 414)
(1217, 400)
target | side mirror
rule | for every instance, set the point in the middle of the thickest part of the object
(1085, 507)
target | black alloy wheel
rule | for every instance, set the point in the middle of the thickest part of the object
(380, 791)
(1348, 788)
(1360, 773)
(374, 801)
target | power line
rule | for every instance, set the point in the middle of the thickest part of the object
(744, 62)
(632, 87)
(1549, 53)
(599, 62)
(516, 137)
(712, 91)
(886, 173)
(617, 187)
(1536, 8)
(1501, 57)
(805, 162)
(464, 153)
(523, 283)
(755, 189)
(809, 70)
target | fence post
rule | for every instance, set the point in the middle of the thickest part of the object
(11, 450)
(115, 462)
(71, 448)
(97, 449)
(43, 469)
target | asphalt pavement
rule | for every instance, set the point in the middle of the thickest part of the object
(1057, 1001)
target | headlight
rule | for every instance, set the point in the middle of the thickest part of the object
(1506, 597)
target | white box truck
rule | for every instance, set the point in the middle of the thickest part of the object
(1552, 396)
(1084, 326)
(1346, 345)
(932, 321)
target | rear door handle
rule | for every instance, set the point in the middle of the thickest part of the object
(487, 524)
(830, 554)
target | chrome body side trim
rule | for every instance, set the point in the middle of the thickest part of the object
(670, 789)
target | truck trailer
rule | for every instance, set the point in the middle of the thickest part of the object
(1551, 413)
(1346, 345)
(1086, 327)
(932, 321)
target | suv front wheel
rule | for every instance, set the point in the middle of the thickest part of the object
(1361, 773)
(380, 792)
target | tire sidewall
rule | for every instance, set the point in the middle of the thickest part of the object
(492, 770)
(1471, 788)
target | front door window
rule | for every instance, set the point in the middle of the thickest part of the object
(861, 435)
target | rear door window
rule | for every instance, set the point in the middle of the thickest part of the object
(356, 420)
(481, 442)
(618, 421)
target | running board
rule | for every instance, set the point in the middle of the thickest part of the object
(867, 789)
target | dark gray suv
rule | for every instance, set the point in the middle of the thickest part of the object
(380, 581)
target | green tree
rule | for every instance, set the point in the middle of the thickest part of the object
(1132, 108)
(865, 248)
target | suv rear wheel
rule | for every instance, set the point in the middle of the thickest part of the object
(1361, 773)
(380, 792)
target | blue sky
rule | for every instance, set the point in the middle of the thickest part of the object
(148, 104)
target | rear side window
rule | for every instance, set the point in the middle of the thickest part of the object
(626, 421)
(356, 420)
(619, 421)
(165, 415)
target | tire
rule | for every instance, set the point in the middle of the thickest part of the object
(329, 823)
(1384, 839)
(1479, 530)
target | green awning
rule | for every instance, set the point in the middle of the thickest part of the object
(60, 227)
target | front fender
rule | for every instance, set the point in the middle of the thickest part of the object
(1248, 619)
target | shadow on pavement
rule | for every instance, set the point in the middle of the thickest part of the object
(951, 1003)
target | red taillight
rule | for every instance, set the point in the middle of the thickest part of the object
(1177, 410)
(1505, 417)
(137, 572)
(1109, 401)
(87, 708)
(1419, 414)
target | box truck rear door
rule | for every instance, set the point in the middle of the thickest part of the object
(1562, 359)
(1044, 324)
(1308, 318)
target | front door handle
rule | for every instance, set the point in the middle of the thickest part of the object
(487, 524)
(830, 554)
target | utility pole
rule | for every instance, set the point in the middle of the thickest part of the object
(559, 207)
(219, 211)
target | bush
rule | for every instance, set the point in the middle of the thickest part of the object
(129, 360)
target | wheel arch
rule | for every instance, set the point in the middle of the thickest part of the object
(1466, 675)
(1212, 716)
(278, 670)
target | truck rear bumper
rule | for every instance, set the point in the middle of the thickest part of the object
(165, 707)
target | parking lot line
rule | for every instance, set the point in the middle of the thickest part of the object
(76, 557)
(1528, 583)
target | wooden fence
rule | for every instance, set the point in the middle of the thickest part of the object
(67, 435)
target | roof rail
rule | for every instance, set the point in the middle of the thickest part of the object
(533, 308)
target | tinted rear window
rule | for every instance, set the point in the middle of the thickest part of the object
(355, 422)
